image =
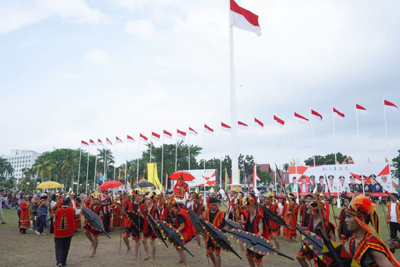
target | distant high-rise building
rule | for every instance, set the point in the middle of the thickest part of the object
(20, 159)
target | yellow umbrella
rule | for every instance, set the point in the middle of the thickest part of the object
(49, 185)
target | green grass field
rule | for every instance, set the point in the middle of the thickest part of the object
(34, 250)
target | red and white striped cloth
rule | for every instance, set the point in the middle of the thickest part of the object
(338, 114)
(167, 134)
(361, 110)
(225, 127)
(390, 105)
(143, 138)
(130, 139)
(244, 19)
(208, 129)
(155, 136)
(279, 121)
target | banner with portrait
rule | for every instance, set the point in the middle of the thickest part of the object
(373, 178)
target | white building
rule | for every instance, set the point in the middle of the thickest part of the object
(20, 159)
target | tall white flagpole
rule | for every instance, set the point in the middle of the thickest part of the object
(105, 161)
(137, 168)
(386, 131)
(95, 172)
(295, 155)
(162, 160)
(115, 158)
(79, 170)
(150, 143)
(312, 139)
(189, 147)
(359, 148)
(234, 121)
(334, 136)
(126, 165)
(275, 161)
(176, 151)
(87, 171)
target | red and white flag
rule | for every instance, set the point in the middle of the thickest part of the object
(243, 125)
(361, 110)
(117, 140)
(108, 141)
(244, 19)
(280, 122)
(143, 138)
(255, 176)
(316, 115)
(338, 114)
(225, 127)
(84, 144)
(180, 133)
(208, 129)
(300, 118)
(155, 136)
(390, 105)
(259, 123)
(192, 131)
(130, 139)
(92, 143)
(99, 142)
(167, 134)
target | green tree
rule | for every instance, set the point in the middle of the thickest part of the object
(396, 166)
(102, 155)
(27, 183)
(264, 176)
(5, 167)
(328, 159)
(43, 167)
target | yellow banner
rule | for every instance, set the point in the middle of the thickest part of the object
(152, 175)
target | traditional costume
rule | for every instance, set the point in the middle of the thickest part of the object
(78, 218)
(116, 208)
(64, 229)
(363, 211)
(290, 216)
(25, 216)
(324, 225)
(218, 220)
(252, 226)
(343, 232)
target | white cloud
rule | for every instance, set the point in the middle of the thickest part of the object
(142, 28)
(97, 56)
(141, 4)
(18, 13)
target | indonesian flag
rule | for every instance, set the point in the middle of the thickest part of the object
(75, 182)
(108, 141)
(244, 19)
(243, 125)
(361, 110)
(225, 127)
(84, 144)
(117, 140)
(143, 138)
(130, 139)
(180, 133)
(279, 121)
(208, 129)
(316, 115)
(259, 123)
(338, 114)
(192, 131)
(155, 136)
(167, 134)
(390, 105)
(99, 142)
(300, 118)
(92, 143)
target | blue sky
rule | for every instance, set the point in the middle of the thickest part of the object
(74, 70)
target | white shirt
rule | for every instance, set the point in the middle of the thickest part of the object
(393, 217)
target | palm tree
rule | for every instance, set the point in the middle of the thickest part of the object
(5, 167)
(44, 168)
(103, 154)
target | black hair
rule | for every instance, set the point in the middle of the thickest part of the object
(213, 200)
(54, 197)
(66, 201)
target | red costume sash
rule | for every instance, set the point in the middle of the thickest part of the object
(64, 226)
(162, 214)
(217, 222)
(369, 242)
(188, 232)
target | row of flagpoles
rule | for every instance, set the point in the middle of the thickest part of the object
(181, 135)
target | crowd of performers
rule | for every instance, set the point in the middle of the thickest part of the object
(358, 223)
